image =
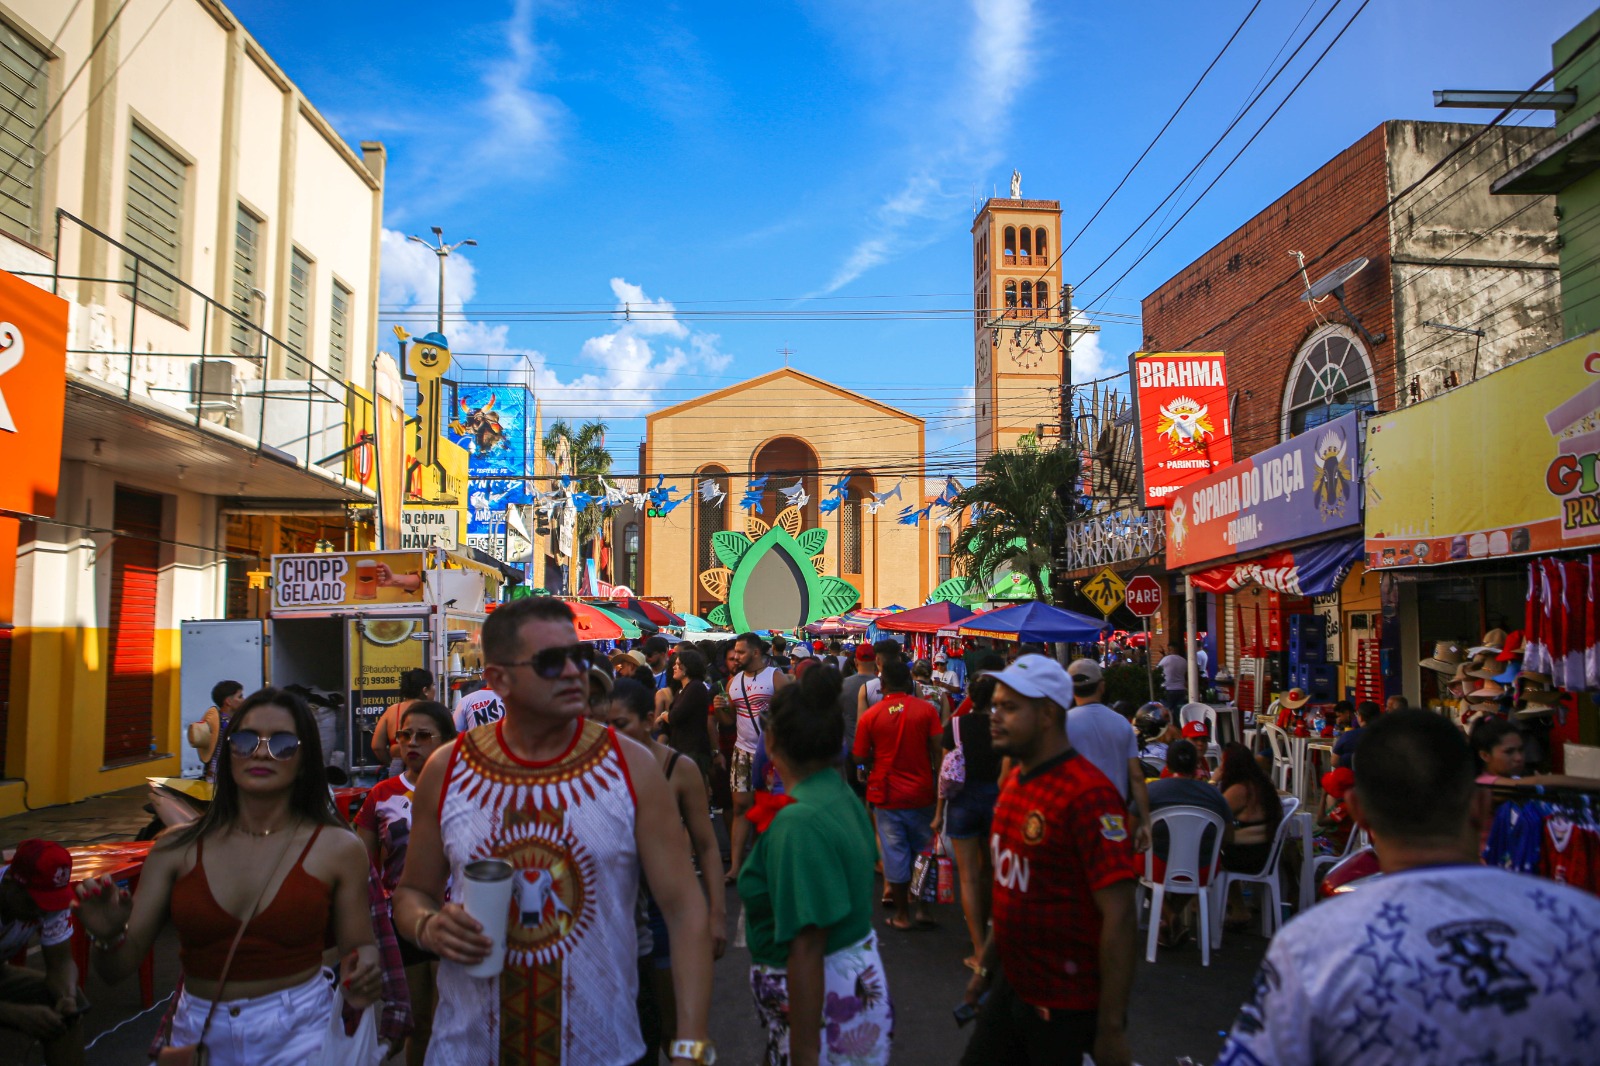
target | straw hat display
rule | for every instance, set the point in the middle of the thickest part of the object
(1489, 692)
(1494, 641)
(1484, 666)
(1513, 648)
(1295, 698)
(1445, 658)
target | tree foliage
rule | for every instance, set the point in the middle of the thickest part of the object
(1019, 508)
(587, 461)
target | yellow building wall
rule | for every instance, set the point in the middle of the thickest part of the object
(847, 431)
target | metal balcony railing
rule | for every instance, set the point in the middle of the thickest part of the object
(151, 338)
(1109, 538)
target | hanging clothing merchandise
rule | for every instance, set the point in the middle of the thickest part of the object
(1556, 837)
(1562, 621)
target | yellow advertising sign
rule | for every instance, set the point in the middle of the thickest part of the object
(1508, 465)
(381, 649)
(1105, 590)
(321, 580)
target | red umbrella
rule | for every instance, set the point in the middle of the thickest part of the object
(929, 618)
(653, 611)
(592, 625)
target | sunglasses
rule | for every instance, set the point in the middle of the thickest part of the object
(421, 736)
(280, 746)
(550, 663)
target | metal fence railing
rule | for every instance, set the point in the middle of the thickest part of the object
(185, 356)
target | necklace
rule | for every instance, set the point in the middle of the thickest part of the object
(264, 832)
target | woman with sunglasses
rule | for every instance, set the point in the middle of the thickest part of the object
(269, 850)
(628, 713)
(384, 826)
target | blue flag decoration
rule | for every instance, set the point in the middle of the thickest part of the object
(751, 500)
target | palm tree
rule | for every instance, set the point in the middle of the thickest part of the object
(1020, 503)
(587, 461)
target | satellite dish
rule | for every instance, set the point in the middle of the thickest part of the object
(1334, 281)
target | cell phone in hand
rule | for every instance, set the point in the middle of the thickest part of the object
(965, 1013)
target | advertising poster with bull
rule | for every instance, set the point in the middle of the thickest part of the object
(494, 424)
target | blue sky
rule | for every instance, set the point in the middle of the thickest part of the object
(766, 172)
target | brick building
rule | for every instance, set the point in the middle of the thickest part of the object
(1443, 282)
(1447, 253)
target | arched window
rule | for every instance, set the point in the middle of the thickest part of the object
(1027, 291)
(1027, 241)
(709, 516)
(1041, 295)
(852, 520)
(1038, 241)
(1011, 242)
(1331, 376)
(1011, 294)
(944, 554)
(787, 461)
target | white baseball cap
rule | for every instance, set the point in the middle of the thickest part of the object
(1038, 676)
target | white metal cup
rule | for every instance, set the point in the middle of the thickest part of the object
(487, 897)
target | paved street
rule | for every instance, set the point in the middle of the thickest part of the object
(1179, 1007)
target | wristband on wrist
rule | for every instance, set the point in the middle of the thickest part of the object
(422, 923)
(112, 942)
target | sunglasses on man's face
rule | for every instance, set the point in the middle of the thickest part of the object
(421, 736)
(280, 746)
(551, 662)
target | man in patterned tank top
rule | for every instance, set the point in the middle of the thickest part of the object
(579, 812)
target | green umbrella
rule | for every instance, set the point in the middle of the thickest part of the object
(630, 628)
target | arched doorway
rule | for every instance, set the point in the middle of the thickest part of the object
(786, 460)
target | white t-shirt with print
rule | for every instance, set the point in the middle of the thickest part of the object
(479, 708)
(1437, 965)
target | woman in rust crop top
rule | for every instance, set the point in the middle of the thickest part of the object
(271, 832)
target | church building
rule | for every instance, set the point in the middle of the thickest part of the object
(804, 436)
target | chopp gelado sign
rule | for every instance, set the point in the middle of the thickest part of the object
(309, 580)
(1181, 411)
(359, 579)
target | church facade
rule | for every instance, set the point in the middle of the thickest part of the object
(804, 435)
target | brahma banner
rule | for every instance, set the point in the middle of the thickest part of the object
(1180, 405)
(1508, 465)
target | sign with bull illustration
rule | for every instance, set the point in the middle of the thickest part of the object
(492, 423)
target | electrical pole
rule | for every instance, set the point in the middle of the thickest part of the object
(442, 250)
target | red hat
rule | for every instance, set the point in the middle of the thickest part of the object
(44, 869)
(864, 653)
(1513, 648)
(1195, 730)
(817, 645)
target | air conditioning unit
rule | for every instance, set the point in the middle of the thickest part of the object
(214, 391)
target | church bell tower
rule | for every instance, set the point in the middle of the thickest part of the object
(1017, 320)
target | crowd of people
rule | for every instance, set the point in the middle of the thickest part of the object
(598, 781)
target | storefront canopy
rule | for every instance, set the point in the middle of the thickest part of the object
(1036, 622)
(928, 619)
(1309, 570)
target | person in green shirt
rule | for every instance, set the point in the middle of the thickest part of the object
(807, 887)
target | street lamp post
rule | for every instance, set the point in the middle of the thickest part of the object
(442, 250)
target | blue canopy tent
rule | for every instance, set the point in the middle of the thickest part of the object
(1036, 623)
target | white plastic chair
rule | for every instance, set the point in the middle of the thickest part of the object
(1353, 843)
(1201, 712)
(1283, 767)
(1190, 870)
(1272, 906)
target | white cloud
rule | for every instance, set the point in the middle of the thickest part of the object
(1089, 360)
(633, 363)
(964, 135)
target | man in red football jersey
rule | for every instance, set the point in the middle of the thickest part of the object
(1058, 965)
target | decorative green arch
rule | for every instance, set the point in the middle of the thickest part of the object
(771, 577)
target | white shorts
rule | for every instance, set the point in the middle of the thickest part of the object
(279, 1029)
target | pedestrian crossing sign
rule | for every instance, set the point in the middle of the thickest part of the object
(1105, 590)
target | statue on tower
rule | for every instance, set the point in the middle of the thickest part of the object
(1016, 184)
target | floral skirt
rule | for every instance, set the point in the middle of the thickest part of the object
(857, 1017)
